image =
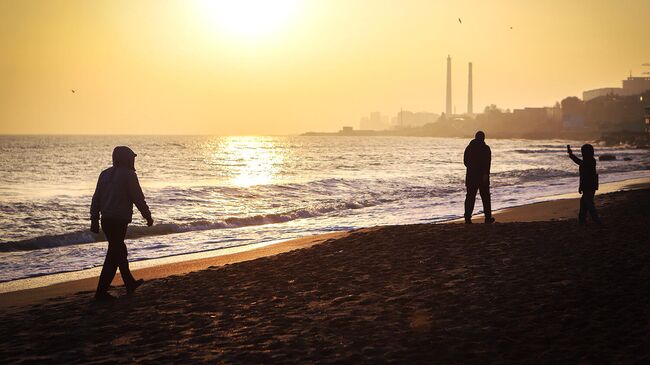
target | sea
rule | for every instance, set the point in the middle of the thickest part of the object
(210, 192)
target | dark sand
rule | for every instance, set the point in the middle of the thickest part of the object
(40, 289)
(534, 292)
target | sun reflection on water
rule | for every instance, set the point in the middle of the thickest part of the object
(251, 160)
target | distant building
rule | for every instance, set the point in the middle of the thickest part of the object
(376, 122)
(636, 85)
(408, 119)
(347, 129)
(422, 118)
(404, 118)
(631, 86)
(593, 94)
(573, 122)
(535, 116)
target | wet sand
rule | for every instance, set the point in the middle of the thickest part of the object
(525, 292)
(36, 290)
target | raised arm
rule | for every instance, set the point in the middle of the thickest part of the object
(572, 156)
(137, 197)
(575, 159)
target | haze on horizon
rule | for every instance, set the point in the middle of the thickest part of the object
(208, 67)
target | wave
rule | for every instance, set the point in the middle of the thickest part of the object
(556, 150)
(534, 174)
(84, 237)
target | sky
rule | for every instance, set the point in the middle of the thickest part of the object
(256, 67)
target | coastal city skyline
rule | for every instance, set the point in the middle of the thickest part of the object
(630, 86)
(217, 69)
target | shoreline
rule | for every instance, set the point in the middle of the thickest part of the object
(567, 205)
(21, 292)
(34, 290)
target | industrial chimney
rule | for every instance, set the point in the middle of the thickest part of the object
(448, 109)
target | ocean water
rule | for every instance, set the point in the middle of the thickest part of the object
(209, 192)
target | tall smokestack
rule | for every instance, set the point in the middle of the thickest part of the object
(448, 109)
(470, 96)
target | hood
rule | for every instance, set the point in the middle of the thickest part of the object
(124, 157)
(587, 151)
(477, 142)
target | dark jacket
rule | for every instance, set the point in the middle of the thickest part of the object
(588, 175)
(478, 158)
(118, 189)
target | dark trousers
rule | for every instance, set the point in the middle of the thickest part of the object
(115, 231)
(484, 189)
(587, 206)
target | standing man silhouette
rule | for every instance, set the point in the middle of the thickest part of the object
(477, 159)
(117, 190)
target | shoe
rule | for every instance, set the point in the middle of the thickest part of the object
(468, 220)
(489, 220)
(104, 297)
(130, 289)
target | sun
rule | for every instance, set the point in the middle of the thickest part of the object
(250, 19)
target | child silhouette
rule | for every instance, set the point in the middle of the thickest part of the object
(588, 182)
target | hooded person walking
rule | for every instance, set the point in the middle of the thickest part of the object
(477, 159)
(118, 189)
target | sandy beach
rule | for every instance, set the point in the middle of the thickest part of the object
(526, 292)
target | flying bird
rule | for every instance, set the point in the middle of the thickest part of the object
(73, 91)
(460, 21)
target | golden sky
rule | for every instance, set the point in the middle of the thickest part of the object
(246, 67)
